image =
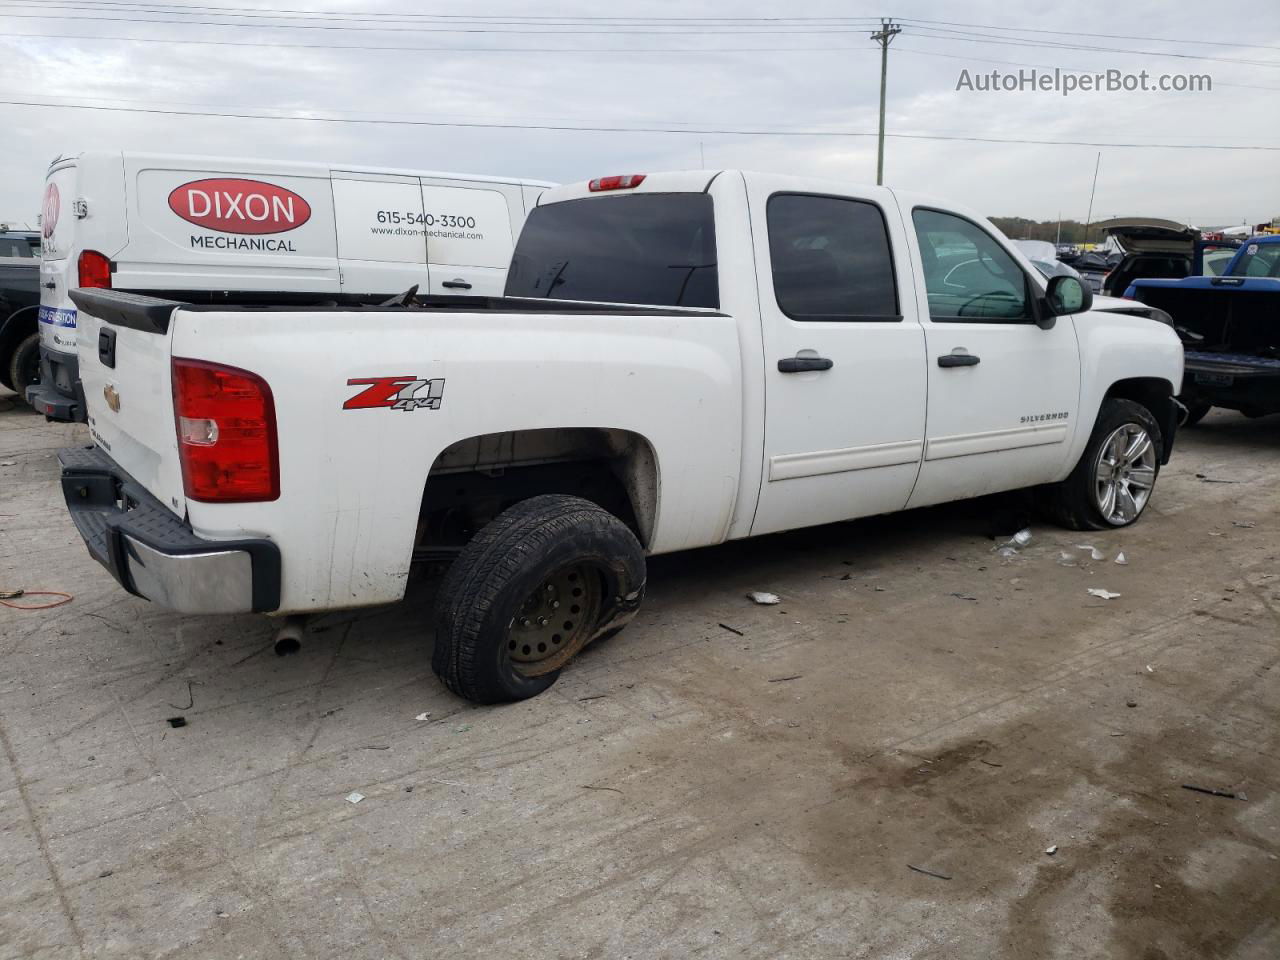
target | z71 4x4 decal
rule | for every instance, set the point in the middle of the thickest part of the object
(398, 393)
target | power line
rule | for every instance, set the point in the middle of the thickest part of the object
(383, 27)
(1099, 36)
(553, 30)
(1045, 66)
(214, 10)
(450, 49)
(964, 37)
(643, 129)
(175, 9)
(60, 12)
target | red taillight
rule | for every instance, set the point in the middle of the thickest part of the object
(616, 183)
(95, 270)
(226, 422)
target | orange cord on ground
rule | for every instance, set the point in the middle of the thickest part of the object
(7, 599)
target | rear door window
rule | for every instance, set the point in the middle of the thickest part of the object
(653, 249)
(831, 259)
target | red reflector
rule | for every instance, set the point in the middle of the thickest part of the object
(94, 270)
(226, 423)
(625, 182)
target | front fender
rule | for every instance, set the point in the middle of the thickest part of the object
(1118, 347)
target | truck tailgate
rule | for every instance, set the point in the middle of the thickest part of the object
(124, 352)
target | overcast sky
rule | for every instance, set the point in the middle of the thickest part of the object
(666, 70)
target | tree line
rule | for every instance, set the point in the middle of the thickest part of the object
(1020, 228)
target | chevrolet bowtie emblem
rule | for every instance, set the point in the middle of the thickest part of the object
(112, 397)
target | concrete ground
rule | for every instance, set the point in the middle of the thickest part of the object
(721, 780)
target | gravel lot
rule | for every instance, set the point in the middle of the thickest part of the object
(686, 789)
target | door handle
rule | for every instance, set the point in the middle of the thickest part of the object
(458, 284)
(50, 285)
(803, 364)
(958, 360)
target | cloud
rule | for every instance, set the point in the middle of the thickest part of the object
(832, 84)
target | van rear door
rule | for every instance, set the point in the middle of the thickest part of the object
(382, 247)
(57, 265)
(470, 228)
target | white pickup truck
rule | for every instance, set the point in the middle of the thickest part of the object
(792, 352)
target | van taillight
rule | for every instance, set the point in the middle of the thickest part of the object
(95, 270)
(226, 423)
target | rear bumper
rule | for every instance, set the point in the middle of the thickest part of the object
(58, 395)
(1236, 382)
(153, 554)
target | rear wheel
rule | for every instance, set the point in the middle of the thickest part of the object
(24, 364)
(1114, 479)
(536, 585)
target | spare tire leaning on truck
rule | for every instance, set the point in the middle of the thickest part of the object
(545, 578)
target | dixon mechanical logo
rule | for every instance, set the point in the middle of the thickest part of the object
(52, 207)
(231, 205)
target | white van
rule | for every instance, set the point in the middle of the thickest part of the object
(221, 229)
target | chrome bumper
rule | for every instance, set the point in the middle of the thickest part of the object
(152, 553)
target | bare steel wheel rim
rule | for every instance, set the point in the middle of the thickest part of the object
(1124, 474)
(556, 619)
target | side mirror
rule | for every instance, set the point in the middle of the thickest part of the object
(1067, 295)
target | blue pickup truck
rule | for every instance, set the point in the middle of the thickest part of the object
(1230, 330)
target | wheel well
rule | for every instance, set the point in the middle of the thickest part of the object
(475, 479)
(1152, 392)
(15, 328)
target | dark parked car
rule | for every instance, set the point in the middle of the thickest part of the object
(19, 307)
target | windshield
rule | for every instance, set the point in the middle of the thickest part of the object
(1258, 260)
(655, 249)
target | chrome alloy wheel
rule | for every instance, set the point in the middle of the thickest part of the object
(555, 621)
(1124, 474)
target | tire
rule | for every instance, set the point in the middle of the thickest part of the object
(1196, 412)
(1077, 502)
(502, 601)
(24, 364)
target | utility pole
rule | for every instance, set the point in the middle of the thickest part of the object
(1089, 216)
(884, 36)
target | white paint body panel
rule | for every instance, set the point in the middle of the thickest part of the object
(739, 449)
(351, 482)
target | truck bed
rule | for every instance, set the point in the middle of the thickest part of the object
(146, 312)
